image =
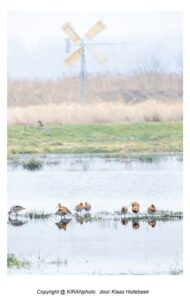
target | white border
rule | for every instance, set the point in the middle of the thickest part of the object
(25, 286)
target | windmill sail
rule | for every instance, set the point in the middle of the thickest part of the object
(70, 61)
(70, 32)
(98, 27)
(97, 54)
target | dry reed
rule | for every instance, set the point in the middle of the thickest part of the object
(74, 113)
(108, 88)
(111, 98)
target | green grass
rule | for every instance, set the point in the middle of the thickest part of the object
(13, 261)
(147, 137)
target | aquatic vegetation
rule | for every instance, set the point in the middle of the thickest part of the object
(32, 164)
(59, 262)
(37, 215)
(13, 261)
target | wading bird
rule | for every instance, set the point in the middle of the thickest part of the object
(135, 207)
(62, 211)
(124, 210)
(87, 206)
(15, 209)
(151, 209)
(79, 207)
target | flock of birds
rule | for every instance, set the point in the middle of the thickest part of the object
(63, 211)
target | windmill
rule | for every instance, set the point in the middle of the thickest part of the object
(80, 53)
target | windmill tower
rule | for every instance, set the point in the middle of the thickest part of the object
(80, 54)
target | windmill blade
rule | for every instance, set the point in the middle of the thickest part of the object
(97, 54)
(71, 60)
(70, 32)
(97, 28)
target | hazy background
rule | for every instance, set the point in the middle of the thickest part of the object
(152, 43)
(141, 81)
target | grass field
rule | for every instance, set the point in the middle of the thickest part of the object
(119, 139)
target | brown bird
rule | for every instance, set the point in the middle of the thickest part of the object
(41, 126)
(62, 211)
(124, 210)
(87, 206)
(79, 207)
(135, 207)
(151, 209)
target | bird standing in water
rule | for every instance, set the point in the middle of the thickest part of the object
(79, 207)
(151, 209)
(15, 209)
(135, 207)
(124, 210)
(62, 211)
(87, 206)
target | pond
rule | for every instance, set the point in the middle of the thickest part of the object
(102, 242)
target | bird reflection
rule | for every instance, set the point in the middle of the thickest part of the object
(135, 224)
(124, 221)
(16, 221)
(83, 219)
(63, 223)
(152, 223)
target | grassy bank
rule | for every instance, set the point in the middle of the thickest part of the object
(122, 139)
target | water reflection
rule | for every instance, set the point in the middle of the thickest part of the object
(124, 221)
(88, 218)
(83, 219)
(15, 221)
(63, 223)
(152, 223)
(135, 224)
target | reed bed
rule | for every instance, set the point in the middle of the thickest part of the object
(89, 113)
(113, 88)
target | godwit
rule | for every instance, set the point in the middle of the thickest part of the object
(87, 206)
(79, 207)
(124, 210)
(151, 209)
(135, 207)
(15, 209)
(62, 211)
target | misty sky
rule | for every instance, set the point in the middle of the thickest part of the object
(36, 43)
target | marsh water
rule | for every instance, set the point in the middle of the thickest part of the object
(103, 242)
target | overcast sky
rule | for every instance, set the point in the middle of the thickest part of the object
(31, 25)
(36, 42)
